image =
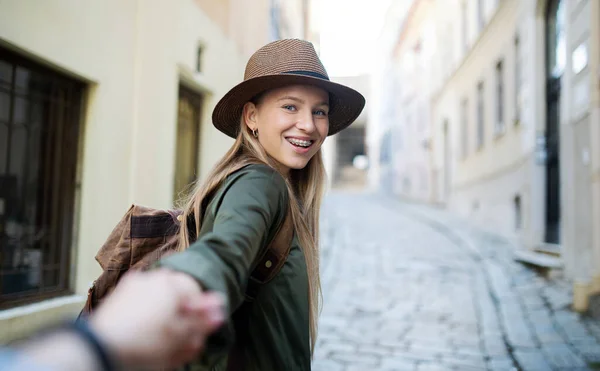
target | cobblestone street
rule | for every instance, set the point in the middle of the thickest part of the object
(407, 287)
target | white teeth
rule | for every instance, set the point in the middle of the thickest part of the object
(301, 143)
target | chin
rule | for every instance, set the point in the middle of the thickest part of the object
(297, 165)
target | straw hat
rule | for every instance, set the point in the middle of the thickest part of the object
(281, 63)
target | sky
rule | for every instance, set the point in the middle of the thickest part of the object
(349, 30)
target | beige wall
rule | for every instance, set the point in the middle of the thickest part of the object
(133, 54)
(579, 148)
(594, 65)
(246, 24)
(412, 59)
(485, 182)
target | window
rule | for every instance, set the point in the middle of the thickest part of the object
(499, 98)
(199, 54)
(188, 140)
(518, 213)
(480, 15)
(480, 115)
(276, 24)
(518, 81)
(465, 26)
(464, 130)
(40, 114)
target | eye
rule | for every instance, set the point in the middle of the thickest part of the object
(320, 113)
(290, 107)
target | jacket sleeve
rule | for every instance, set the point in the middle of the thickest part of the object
(246, 216)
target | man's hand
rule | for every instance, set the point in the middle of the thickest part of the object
(157, 319)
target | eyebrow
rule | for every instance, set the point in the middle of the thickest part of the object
(300, 100)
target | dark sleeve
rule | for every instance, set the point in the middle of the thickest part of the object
(248, 213)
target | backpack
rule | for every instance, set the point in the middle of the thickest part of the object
(145, 235)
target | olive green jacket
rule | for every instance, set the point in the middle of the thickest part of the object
(242, 217)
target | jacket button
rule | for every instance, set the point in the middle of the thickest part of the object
(180, 217)
(268, 264)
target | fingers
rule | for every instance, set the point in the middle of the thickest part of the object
(206, 311)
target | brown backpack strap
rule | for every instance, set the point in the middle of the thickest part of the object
(273, 258)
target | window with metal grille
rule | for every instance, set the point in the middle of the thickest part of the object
(39, 137)
(518, 81)
(464, 128)
(464, 19)
(518, 213)
(480, 115)
(480, 15)
(188, 141)
(500, 125)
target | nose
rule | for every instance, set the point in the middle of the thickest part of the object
(306, 123)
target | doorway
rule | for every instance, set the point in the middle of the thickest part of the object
(555, 62)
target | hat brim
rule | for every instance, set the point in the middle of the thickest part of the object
(345, 103)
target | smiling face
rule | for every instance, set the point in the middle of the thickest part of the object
(291, 122)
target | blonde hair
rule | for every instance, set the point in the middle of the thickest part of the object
(305, 190)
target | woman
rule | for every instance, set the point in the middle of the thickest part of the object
(279, 116)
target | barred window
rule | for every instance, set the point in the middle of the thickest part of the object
(500, 124)
(40, 114)
(464, 129)
(518, 81)
(188, 141)
(480, 116)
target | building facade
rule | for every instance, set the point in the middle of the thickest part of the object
(103, 105)
(411, 133)
(383, 108)
(514, 125)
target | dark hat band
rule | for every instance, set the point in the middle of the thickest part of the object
(308, 73)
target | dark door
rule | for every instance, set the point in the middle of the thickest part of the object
(555, 61)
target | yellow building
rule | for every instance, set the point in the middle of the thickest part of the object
(104, 104)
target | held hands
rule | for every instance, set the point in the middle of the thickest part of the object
(157, 319)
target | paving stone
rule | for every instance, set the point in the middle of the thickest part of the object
(333, 347)
(561, 356)
(464, 362)
(327, 365)
(431, 367)
(396, 345)
(532, 360)
(589, 350)
(594, 328)
(377, 350)
(517, 328)
(423, 356)
(469, 352)
(573, 327)
(398, 363)
(501, 364)
(499, 280)
(544, 328)
(355, 358)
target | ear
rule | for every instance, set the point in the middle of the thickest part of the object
(249, 115)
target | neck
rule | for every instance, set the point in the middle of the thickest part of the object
(284, 170)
